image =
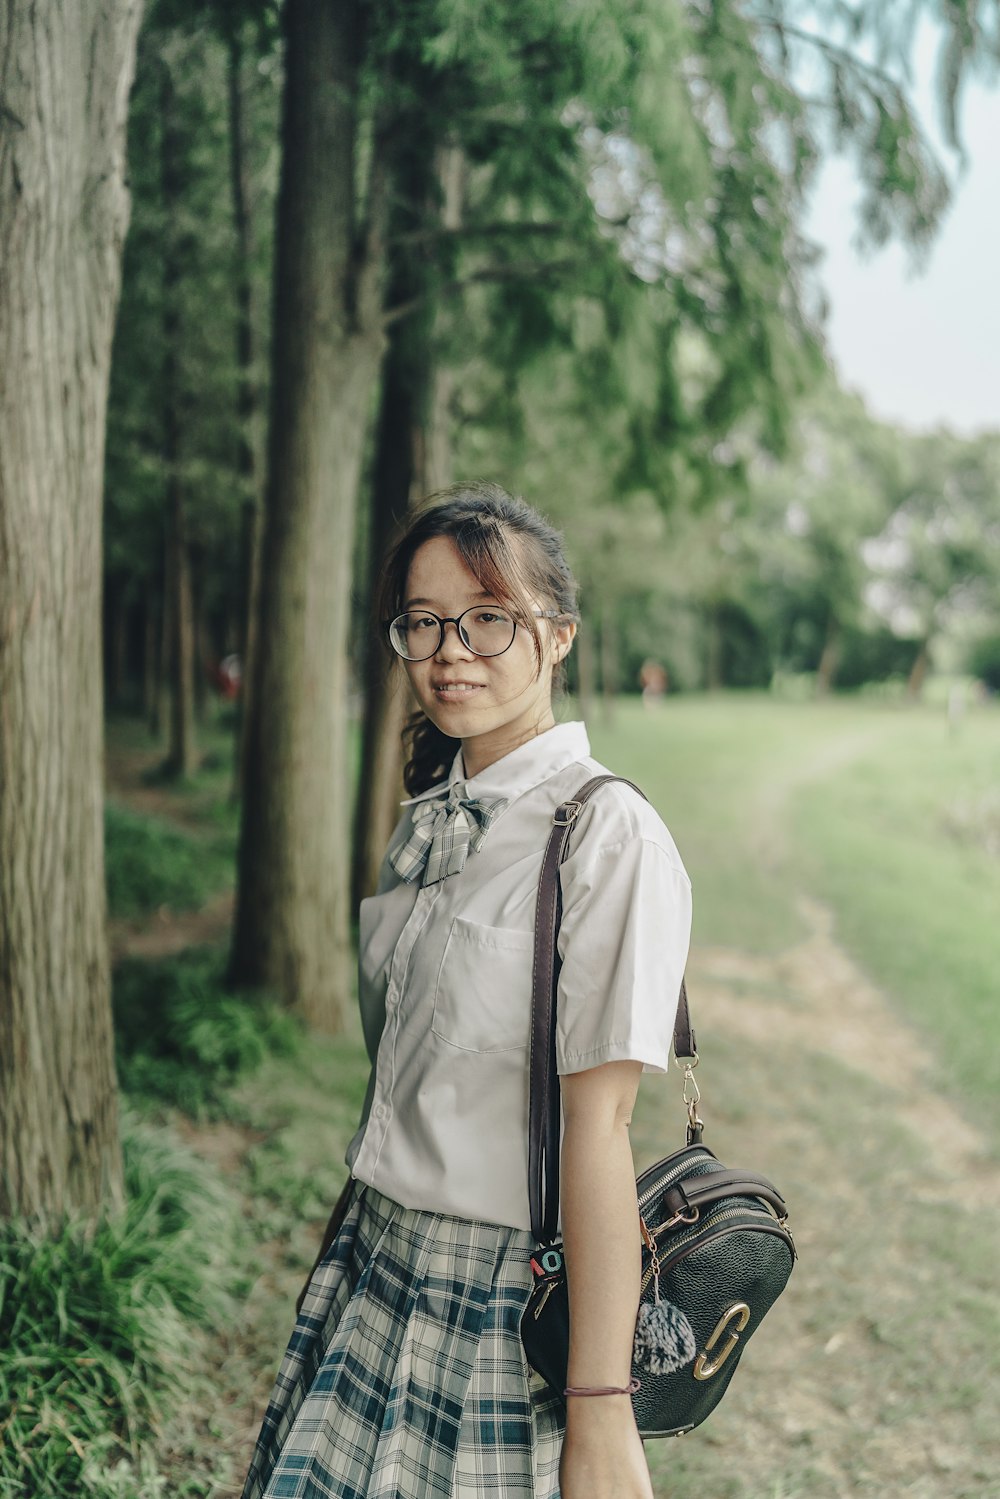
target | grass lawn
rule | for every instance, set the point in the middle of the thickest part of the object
(877, 1373)
(874, 808)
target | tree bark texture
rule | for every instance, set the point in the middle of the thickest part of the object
(291, 929)
(714, 648)
(918, 671)
(412, 459)
(181, 752)
(150, 658)
(826, 670)
(397, 472)
(65, 73)
(247, 399)
(161, 713)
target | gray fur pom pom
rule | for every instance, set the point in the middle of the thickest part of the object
(664, 1338)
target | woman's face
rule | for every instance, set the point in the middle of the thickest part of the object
(491, 703)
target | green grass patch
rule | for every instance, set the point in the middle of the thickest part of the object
(99, 1330)
(716, 767)
(183, 1039)
(903, 845)
(150, 864)
(872, 807)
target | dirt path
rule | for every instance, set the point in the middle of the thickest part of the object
(172, 931)
(877, 1372)
(809, 1075)
(813, 997)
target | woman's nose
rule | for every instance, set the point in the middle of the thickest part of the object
(452, 647)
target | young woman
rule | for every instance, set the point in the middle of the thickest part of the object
(405, 1376)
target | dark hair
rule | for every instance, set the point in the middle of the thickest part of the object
(482, 519)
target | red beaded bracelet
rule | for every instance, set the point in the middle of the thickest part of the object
(629, 1389)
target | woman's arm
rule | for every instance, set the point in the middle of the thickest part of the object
(602, 1454)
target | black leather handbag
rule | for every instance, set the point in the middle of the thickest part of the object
(716, 1248)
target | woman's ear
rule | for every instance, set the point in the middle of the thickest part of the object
(564, 640)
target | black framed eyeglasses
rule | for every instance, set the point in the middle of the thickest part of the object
(485, 630)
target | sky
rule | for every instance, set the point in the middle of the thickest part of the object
(922, 344)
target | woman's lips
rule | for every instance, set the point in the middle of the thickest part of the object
(453, 690)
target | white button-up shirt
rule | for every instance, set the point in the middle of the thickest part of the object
(445, 979)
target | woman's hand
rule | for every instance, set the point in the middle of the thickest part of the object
(602, 1454)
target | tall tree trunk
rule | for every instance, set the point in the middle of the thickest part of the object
(181, 752)
(291, 928)
(247, 398)
(250, 532)
(201, 649)
(918, 671)
(65, 74)
(150, 641)
(826, 671)
(406, 439)
(714, 648)
(116, 644)
(161, 714)
(397, 474)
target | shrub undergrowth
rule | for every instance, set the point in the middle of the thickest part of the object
(150, 864)
(183, 1039)
(98, 1328)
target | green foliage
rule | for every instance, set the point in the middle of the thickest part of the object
(183, 1039)
(876, 655)
(937, 559)
(984, 661)
(150, 864)
(98, 1328)
(176, 328)
(620, 283)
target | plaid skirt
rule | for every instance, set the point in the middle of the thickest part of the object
(405, 1375)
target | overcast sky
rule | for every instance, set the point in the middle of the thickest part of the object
(922, 346)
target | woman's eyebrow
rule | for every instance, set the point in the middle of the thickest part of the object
(429, 603)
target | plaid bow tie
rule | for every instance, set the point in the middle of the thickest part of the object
(443, 832)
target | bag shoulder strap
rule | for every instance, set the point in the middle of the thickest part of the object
(543, 1105)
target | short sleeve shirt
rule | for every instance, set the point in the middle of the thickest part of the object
(445, 978)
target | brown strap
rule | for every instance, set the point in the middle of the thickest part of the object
(604, 1389)
(543, 1104)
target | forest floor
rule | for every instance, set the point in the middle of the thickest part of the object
(876, 1372)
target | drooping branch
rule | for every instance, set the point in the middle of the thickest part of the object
(505, 227)
(516, 271)
(835, 51)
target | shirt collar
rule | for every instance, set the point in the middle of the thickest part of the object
(527, 766)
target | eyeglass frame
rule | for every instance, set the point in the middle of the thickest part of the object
(452, 619)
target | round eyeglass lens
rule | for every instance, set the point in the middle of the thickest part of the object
(487, 631)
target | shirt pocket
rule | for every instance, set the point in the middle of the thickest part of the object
(482, 999)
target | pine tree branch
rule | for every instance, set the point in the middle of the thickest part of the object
(831, 49)
(515, 271)
(477, 231)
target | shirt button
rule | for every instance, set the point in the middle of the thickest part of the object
(381, 1111)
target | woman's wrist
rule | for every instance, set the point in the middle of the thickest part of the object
(626, 1389)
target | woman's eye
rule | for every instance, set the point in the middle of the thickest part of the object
(490, 617)
(418, 620)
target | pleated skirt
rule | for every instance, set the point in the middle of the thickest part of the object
(405, 1376)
